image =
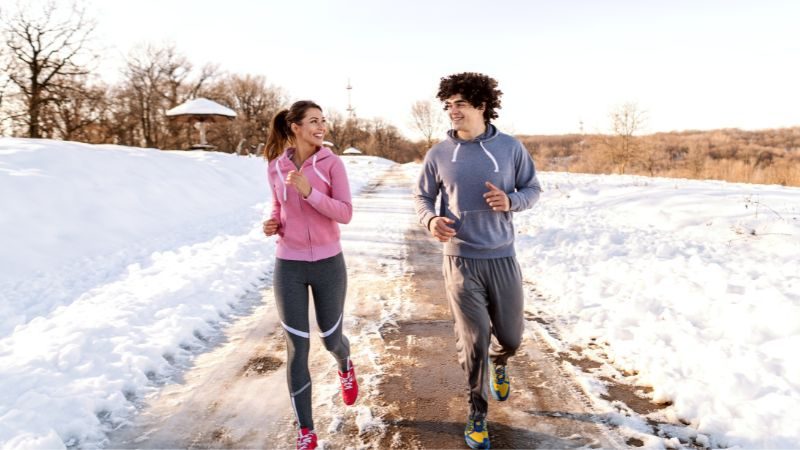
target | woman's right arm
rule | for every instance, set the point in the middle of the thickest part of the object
(273, 224)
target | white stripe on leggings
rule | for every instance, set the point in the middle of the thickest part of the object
(330, 332)
(302, 334)
(299, 391)
(294, 405)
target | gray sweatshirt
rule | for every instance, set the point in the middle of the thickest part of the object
(457, 170)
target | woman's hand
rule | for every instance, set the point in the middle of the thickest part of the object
(300, 182)
(271, 227)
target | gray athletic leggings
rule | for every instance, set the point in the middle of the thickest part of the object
(327, 279)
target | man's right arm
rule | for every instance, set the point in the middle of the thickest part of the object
(426, 191)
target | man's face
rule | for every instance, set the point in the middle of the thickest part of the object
(463, 115)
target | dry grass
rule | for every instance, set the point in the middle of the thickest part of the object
(763, 157)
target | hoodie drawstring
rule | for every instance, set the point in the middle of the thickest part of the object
(280, 176)
(455, 152)
(496, 167)
(319, 174)
(494, 161)
(313, 164)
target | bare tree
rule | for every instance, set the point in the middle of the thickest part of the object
(626, 121)
(46, 48)
(4, 85)
(427, 119)
(152, 76)
(336, 128)
(346, 131)
(157, 78)
(383, 139)
(118, 124)
(255, 104)
(76, 105)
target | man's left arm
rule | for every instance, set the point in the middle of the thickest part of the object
(527, 185)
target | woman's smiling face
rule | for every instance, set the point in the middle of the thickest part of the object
(311, 129)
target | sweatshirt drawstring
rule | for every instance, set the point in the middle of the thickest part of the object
(455, 152)
(458, 146)
(319, 174)
(280, 177)
(313, 164)
(496, 167)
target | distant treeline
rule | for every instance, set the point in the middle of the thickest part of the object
(49, 89)
(764, 156)
(132, 111)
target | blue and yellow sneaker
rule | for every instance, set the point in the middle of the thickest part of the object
(500, 384)
(477, 433)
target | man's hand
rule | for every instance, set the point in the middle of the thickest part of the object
(300, 182)
(270, 227)
(440, 228)
(497, 199)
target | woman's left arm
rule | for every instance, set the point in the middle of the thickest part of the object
(339, 206)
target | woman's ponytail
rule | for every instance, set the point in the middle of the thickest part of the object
(278, 135)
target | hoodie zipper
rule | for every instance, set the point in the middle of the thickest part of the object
(299, 198)
(308, 229)
(302, 210)
(303, 207)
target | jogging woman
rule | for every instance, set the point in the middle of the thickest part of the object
(311, 196)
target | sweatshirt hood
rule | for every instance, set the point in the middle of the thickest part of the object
(319, 155)
(490, 133)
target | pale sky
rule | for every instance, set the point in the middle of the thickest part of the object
(689, 64)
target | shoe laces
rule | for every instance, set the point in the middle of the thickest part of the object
(304, 440)
(500, 374)
(476, 425)
(347, 380)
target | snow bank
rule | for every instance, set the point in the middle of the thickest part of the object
(695, 285)
(119, 264)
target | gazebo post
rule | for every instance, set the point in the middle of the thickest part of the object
(201, 111)
(202, 128)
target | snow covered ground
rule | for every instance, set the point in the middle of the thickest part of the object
(119, 262)
(693, 285)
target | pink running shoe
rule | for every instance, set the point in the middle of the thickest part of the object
(306, 439)
(349, 385)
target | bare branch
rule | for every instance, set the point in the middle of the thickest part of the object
(45, 46)
(427, 119)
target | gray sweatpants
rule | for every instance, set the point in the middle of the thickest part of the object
(327, 279)
(485, 297)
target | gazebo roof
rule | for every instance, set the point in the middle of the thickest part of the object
(201, 107)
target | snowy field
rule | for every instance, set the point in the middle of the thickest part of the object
(117, 262)
(692, 285)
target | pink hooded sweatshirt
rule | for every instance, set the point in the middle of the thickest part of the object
(308, 226)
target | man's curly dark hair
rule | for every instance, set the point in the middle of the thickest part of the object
(476, 88)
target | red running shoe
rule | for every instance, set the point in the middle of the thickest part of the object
(306, 439)
(349, 385)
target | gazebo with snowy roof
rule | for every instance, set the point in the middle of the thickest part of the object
(201, 111)
(352, 151)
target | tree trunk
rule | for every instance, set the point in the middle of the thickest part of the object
(34, 109)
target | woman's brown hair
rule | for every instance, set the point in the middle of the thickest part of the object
(280, 133)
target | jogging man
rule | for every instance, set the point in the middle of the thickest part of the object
(481, 176)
